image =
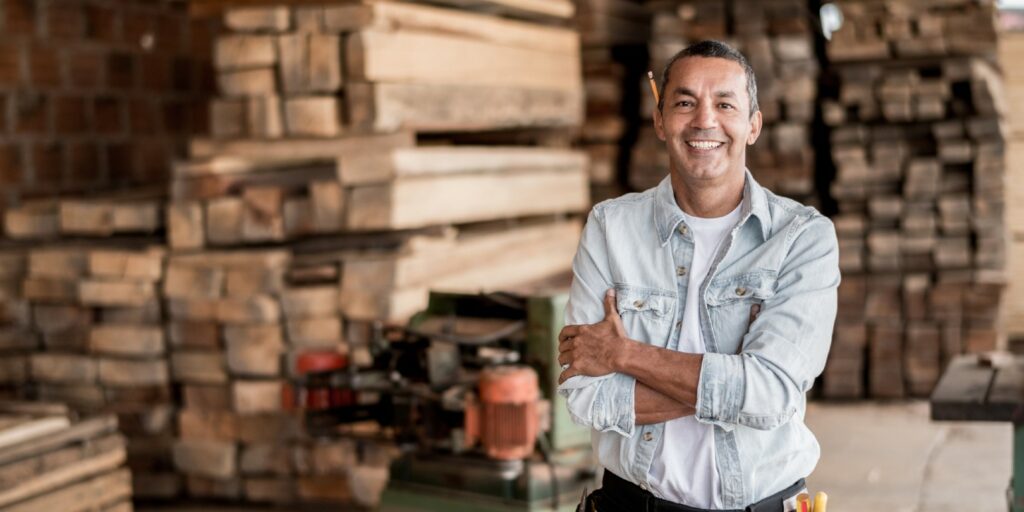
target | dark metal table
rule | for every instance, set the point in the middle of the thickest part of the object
(989, 387)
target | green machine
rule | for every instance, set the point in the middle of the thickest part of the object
(493, 331)
(468, 389)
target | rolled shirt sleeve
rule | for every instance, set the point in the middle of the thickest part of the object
(605, 403)
(785, 348)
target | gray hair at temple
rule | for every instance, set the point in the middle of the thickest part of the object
(713, 49)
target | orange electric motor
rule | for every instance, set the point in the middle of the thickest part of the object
(504, 418)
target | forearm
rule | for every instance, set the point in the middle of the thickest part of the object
(654, 407)
(673, 375)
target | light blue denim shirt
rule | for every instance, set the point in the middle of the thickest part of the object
(783, 256)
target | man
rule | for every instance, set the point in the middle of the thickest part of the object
(701, 312)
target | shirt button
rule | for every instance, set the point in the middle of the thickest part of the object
(679, 324)
(638, 304)
(680, 271)
(682, 229)
(648, 436)
(741, 291)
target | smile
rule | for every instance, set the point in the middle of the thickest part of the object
(704, 145)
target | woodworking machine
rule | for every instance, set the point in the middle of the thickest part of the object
(468, 391)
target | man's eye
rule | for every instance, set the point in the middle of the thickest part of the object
(684, 103)
(726, 106)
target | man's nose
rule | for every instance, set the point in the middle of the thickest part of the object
(704, 117)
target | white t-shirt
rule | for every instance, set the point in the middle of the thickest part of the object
(683, 469)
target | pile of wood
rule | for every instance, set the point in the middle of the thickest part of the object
(918, 146)
(246, 192)
(1011, 53)
(17, 339)
(384, 66)
(776, 37)
(49, 462)
(97, 312)
(614, 35)
(134, 213)
(361, 155)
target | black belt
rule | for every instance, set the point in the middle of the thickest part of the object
(617, 494)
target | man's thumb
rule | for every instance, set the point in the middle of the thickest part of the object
(610, 307)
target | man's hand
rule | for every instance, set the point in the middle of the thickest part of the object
(593, 350)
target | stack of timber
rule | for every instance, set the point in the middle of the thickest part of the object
(1011, 53)
(361, 154)
(17, 339)
(918, 146)
(777, 38)
(50, 462)
(96, 309)
(614, 35)
(131, 213)
(386, 66)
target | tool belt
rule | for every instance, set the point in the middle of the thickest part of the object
(618, 495)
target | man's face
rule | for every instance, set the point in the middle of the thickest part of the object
(705, 120)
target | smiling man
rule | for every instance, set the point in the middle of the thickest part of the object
(701, 312)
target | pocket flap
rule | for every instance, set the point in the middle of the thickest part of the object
(644, 299)
(754, 285)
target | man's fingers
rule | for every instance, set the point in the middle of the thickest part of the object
(567, 332)
(567, 374)
(565, 358)
(610, 307)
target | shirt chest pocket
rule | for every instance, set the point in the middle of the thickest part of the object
(646, 313)
(733, 301)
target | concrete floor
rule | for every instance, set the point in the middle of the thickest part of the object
(890, 458)
(893, 458)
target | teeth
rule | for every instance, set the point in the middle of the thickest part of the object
(704, 144)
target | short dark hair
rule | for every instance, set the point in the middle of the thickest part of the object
(713, 49)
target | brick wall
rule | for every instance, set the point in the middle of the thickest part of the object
(97, 94)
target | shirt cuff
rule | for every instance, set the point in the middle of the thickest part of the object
(720, 390)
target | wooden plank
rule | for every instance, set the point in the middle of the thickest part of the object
(64, 475)
(84, 496)
(310, 63)
(421, 202)
(85, 429)
(131, 372)
(394, 16)
(256, 19)
(313, 116)
(392, 107)
(962, 390)
(409, 57)
(185, 225)
(256, 396)
(562, 9)
(275, 152)
(127, 340)
(26, 428)
(359, 169)
(239, 51)
(96, 292)
(206, 458)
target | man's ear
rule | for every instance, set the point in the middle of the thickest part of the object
(659, 123)
(755, 128)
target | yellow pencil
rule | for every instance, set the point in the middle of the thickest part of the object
(654, 87)
(803, 502)
(820, 501)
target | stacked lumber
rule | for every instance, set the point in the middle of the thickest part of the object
(614, 35)
(778, 41)
(17, 339)
(243, 195)
(49, 462)
(918, 146)
(97, 311)
(1011, 51)
(385, 66)
(134, 213)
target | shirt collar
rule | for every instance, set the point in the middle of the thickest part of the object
(667, 214)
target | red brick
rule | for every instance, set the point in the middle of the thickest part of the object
(19, 16)
(10, 62)
(102, 23)
(31, 112)
(156, 73)
(85, 68)
(119, 161)
(170, 33)
(136, 24)
(47, 163)
(65, 19)
(69, 115)
(11, 165)
(143, 116)
(120, 71)
(44, 66)
(107, 114)
(84, 165)
(175, 117)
